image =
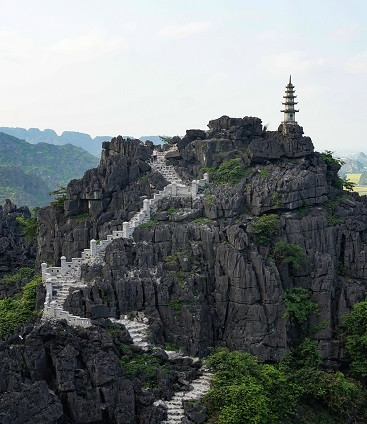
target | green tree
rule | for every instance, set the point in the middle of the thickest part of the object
(356, 338)
(265, 227)
(289, 253)
(299, 305)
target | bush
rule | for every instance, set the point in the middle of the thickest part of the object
(82, 217)
(28, 227)
(59, 196)
(19, 309)
(22, 274)
(230, 171)
(299, 305)
(140, 365)
(356, 338)
(264, 228)
(289, 253)
(244, 391)
(149, 224)
(294, 391)
(330, 160)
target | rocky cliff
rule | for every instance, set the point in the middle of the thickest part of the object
(200, 272)
(15, 250)
(57, 374)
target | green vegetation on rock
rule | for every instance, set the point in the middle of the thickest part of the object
(230, 171)
(20, 308)
(141, 365)
(265, 227)
(356, 338)
(22, 274)
(289, 253)
(299, 305)
(293, 391)
(28, 227)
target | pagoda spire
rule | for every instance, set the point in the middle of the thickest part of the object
(289, 105)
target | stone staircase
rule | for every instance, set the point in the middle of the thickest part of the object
(198, 388)
(59, 281)
(138, 330)
(169, 173)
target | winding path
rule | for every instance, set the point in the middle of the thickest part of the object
(60, 280)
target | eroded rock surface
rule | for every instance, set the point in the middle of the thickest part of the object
(198, 272)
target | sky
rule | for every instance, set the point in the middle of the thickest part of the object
(154, 67)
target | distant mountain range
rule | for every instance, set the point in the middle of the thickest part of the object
(28, 172)
(353, 163)
(85, 141)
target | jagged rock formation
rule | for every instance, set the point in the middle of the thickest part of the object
(70, 375)
(15, 250)
(205, 283)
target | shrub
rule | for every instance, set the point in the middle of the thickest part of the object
(327, 155)
(264, 228)
(149, 224)
(264, 173)
(176, 305)
(299, 305)
(356, 337)
(230, 171)
(18, 309)
(244, 391)
(210, 199)
(141, 365)
(171, 211)
(289, 253)
(59, 196)
(294, 391)
(22, 274)
(28, 227)
(82, 217)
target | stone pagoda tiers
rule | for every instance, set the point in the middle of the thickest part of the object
(289, 103)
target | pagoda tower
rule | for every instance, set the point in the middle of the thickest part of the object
(289, 103)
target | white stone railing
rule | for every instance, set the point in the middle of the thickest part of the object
(69, 273)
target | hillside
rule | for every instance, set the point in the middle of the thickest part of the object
(29, 172)
(35, 136)
(237, 238)
(83, 140)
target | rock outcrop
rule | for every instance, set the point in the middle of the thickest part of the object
(198, 272)
(55, 373)
(15, 250)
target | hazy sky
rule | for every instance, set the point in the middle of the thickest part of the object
(148, 67)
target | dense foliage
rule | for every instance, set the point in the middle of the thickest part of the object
(28, 227)
(230, 171)
(327, 155)
(356, 338)
(20, 308)
(294, 391)
(264, 228)
(289, 253)
(299, 305)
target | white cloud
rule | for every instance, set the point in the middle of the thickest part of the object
(218, 78)
(14, 46)
(289, 63)
(357, 64)
(344, 33)
(87, 47)
(185, 30)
